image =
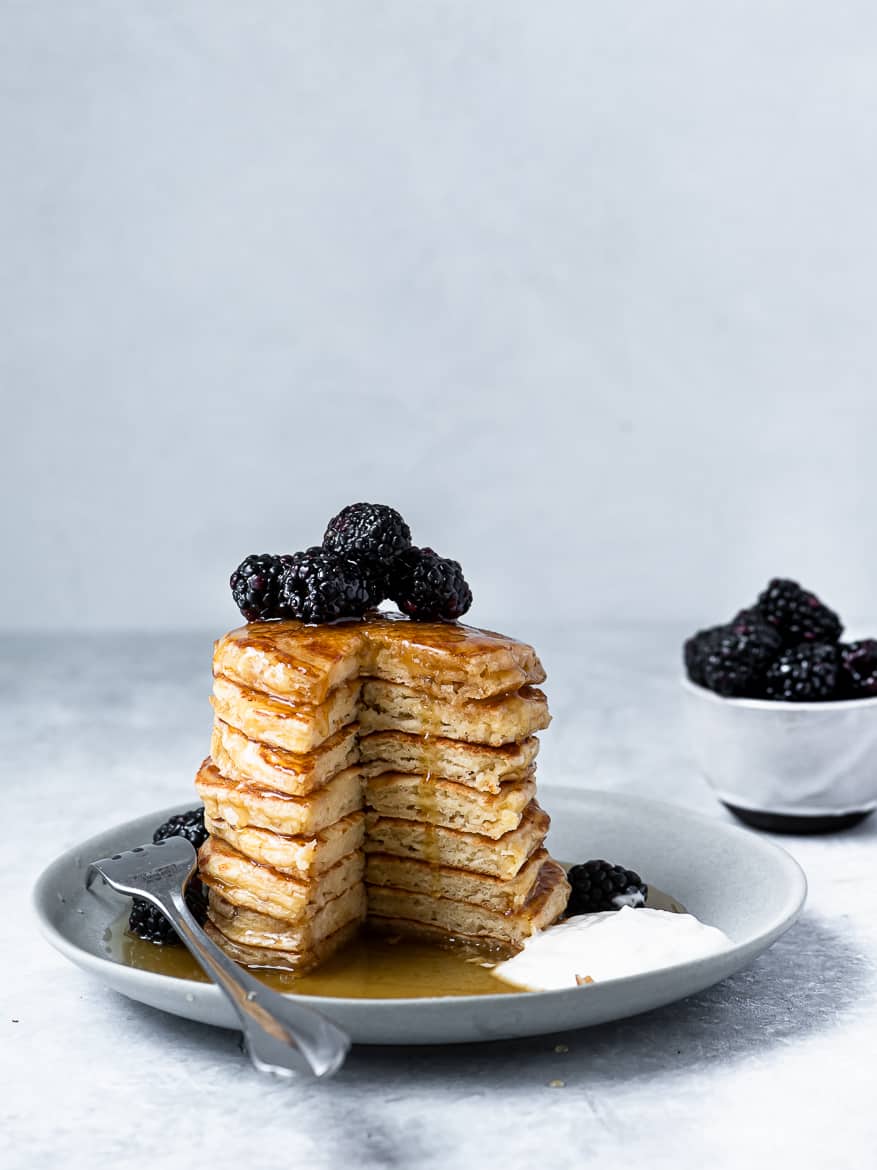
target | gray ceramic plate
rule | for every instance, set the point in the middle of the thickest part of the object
(728, 877)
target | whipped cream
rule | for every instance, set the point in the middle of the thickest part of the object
(592, 947)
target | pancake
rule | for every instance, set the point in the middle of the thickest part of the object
(404, 911)
(248, 760)
(303, 857)
(477, 765)
(240, 805)
(296, 961)
(305, 663)
(297, 728)
(381, 706)
(501, 720)
(257, 887)
(451, 805)
(425, 877)
(501, 857)
(294, 661)
(448, 661)
(248, 928)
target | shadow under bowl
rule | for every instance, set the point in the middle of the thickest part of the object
(786, 767)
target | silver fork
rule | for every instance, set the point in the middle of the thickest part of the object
(281, 1036)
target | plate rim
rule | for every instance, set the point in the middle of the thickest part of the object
(794, 901)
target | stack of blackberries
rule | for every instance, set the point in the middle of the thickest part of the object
(787, 646)
(366, 557)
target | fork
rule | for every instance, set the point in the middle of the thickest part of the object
(281, 1036)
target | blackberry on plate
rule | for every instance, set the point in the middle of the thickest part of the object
(804, 673)
(428, 587)
(317, 586)
(733, 660)
(255, 586)
(599, 885)
(798, 615)
(188, 824)
(147, 921)
(371, 533)
(858, 669)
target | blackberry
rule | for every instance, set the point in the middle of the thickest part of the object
(746, 619)
(694, 654)
(428, 587)
(147, 921)
(318, 586)
(599, 885)
(798, 615)
(255, 586)
(858, 669)
(733, 660)
(804, 673)
(373, 534)
(188, 824)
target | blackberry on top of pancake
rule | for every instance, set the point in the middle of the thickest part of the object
(366, 557)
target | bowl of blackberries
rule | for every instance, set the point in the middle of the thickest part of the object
(782, 713)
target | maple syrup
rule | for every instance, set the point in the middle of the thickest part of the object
(369, 967)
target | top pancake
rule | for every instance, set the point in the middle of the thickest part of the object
(304, 663)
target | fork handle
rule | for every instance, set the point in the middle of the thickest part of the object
(281, 1037)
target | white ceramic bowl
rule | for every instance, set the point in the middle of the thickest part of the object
(788, 767)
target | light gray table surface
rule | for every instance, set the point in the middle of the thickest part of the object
(772, 1068)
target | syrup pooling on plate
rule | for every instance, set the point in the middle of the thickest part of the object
(370, 967)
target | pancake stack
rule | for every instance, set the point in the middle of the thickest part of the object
(379, 770)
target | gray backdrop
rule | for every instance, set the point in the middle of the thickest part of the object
(585, 289)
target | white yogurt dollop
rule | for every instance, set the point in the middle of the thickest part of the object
(594, 947)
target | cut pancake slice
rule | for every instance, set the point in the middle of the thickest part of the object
(501, 857)
(303, 857)
(245, 759)
(304, 663)
(294, 961)
(297, 728)
(505, 719)
(405, 911)
(448, 661)
(477, 765)
(268, 891)
(289, 659)
(453, 806)
(251, 929)
(424, 877)
(240, 805)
